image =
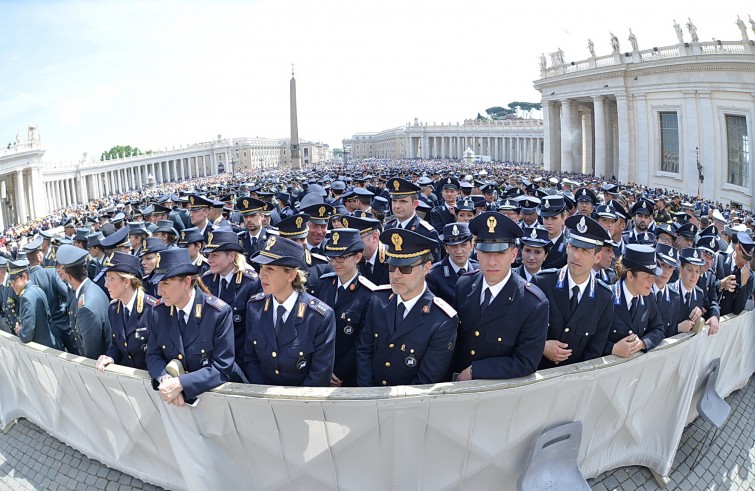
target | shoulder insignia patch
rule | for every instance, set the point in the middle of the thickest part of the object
(386, 287)
(81, 300)
(535, 291)
(207, 273)
(604, 285)
(426, 225)
(113, 301)
(215, 302)
(367, 283)
(257, 297)
(318, 306)
(251, 274)
(151, 301)
(320, 257)
(328, 275)
(443, 305)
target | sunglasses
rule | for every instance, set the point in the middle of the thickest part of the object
(403, 269)
(340, 259)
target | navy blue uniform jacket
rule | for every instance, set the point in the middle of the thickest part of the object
(351, 313)
(587, 330)
(90, 326)
(647, 323)
(301, 354)
(238, 293)
(416, 351)
(507, 340)
(130, 334)
(205, 349)
(442, 279)
(34, 316)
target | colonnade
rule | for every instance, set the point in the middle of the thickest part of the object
(582, 135)
(91, 184)
(498, 148)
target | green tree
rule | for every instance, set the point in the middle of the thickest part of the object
(121, 151)
(338, 152)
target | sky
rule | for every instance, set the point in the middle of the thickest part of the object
(158, 74)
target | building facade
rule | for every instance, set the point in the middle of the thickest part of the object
(507, 140)
(46, 186)
(651, 116)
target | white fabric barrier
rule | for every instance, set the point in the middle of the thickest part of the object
(468, 435)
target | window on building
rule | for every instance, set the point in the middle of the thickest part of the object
(738, 150)
(669, 142)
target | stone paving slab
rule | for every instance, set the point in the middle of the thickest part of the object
(32, 459)
(728, 465)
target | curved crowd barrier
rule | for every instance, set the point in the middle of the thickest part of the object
(465, 435)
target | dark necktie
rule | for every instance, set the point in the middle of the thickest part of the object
(369, 269)
(223, 287)
(339, 292)
(254, 243)
(687, 297)
(574, 300)
(659, 296)
(486, 300)
(181, 322)
(461, 271)
(400, 309)
(633, 308)
(279, 319)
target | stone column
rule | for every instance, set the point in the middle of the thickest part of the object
(181, 162)
(189, 165)
(641, 156)
(599, 122)
(568, 136)
(622, 113)
(587, 161)
(712, 184)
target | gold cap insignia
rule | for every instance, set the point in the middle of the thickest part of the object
(396, 184)
(299, 221)
(321, 211)
(191, 198)
(144, 243)
(345, 223)
(492, 222)
(270, 243)
(246, 203)
(157, 260)
(397, 241)
(335, 238)
(209, 240)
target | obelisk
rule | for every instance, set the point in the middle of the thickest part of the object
(295, 160)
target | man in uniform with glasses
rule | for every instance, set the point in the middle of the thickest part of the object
(409, 334)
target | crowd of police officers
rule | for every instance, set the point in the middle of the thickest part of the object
(359, 280)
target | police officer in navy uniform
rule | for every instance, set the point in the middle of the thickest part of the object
(737, 264)
(33, 312)
(637, 323)
(404, 202)
(148, 258)
(347, 292)
(709, 281)
(373, 266)
(581, 306)
(503, 319)
(642, 213)
(189, 329)
(296, 228)
(457, 239)
(291, 335)
(319, 214)
(666, 294)
(586, 201)
(445, 213)
(48, 249)
(199, 209)
(553, 214)
(253, 237)
(88, 304)
(55, 291)
(191, 240)
(535, 246)
(129, 313)
(409, 334)
(691, 296)
(230, 280)
(117, 241)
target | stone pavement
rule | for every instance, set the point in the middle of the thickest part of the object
(32, 459)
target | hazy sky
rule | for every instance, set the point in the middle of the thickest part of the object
(94, 74)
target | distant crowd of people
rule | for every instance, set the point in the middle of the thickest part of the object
(375, 273)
